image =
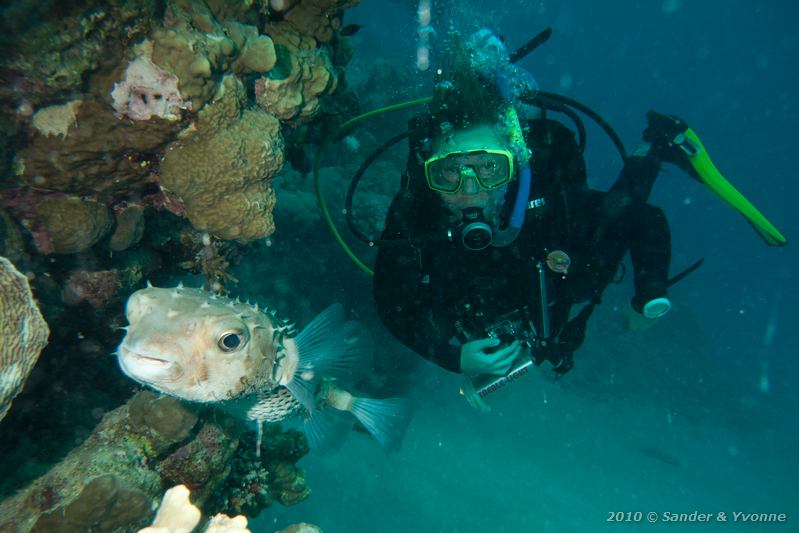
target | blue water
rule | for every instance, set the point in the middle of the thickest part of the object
(697, 414)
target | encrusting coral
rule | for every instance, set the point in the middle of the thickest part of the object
(23, 333)
(221, 169)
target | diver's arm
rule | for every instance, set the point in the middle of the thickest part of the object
(405, 307)
(404, 302)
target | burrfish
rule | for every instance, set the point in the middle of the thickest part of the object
(202, 347)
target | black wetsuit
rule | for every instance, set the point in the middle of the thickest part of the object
(424, 292)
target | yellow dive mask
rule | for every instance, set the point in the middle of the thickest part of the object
(490, 168)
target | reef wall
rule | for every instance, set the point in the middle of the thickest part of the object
(139, 140)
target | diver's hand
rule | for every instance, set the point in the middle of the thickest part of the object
(476, 360)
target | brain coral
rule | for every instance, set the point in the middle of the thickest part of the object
(23, 333)
(222, 167)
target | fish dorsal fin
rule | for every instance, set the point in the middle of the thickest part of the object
(332, 347)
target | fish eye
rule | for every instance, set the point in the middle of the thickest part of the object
(231, 340)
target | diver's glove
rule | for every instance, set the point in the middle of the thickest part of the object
(483, 357)
(666, 135)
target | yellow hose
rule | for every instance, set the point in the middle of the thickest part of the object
(318, 162)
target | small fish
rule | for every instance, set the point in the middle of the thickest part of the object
(657, 455)
(350, 29)
(201, 347)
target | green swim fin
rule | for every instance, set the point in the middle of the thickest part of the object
(710, 176)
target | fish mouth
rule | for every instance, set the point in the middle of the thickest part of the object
(132, 360)
(148, 359)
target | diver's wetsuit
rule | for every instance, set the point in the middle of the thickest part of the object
(424, 292)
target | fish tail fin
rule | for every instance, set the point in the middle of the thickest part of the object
(327, 429)
(333, 347)
(386, 420)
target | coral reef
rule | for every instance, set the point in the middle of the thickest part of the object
(129, 227)
(23, 333)
(289, 481)
(11, 243)
(52, 47)
(113, 479)
(97, 155)
(147, 91)
(302, 75)
(221, 169)
(319, 19)
(71, 225)
(211, 258)
(249, 488)
(257, 51)
(98, 288)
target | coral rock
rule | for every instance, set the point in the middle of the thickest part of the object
(72, 225)
(194, 46)
(109, 482)
(98, 289)
(288, 481)
(257, 51)
(129, 229)
(53, 52)
(302, 75)
(221, 171)
(100, 155)
(165, 419)
(23, 333)
(106, 503)
(318, 18)
(12, 244)
(202, 464)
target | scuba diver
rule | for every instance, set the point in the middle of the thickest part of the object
(527, 240)
(495, 251)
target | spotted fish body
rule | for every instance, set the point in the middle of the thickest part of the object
(206, 348)
(274, 406)
(175, 343)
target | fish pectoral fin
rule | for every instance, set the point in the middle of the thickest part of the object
(303, 391)
(330, 346)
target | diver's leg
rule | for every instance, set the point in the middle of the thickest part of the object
(636, 178)
(650, 251)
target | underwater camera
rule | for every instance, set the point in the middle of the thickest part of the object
(513, 326)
